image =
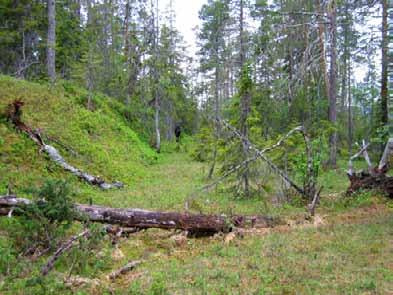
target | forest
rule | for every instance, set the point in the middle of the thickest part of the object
(196, 147)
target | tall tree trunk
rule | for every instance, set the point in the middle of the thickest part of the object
(350, 123)
(89, 72)
(51, 43)
(384, 74)
(217, 116)
(321, 40)
(157, 122)
(157, 87)
(346, 76)
(333, 83)
(244, 101)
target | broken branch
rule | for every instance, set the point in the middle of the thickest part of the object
(123, 270)
(261, 154)
(63, 248)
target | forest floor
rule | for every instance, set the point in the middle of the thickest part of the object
(346, 249)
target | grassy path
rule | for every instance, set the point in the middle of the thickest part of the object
(351, 254)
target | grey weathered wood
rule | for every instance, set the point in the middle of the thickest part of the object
(123, 270)
(384, 162)
(51, 43)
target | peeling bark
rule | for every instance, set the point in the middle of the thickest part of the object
(14, 113)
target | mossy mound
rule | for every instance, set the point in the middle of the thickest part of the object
(101, 141)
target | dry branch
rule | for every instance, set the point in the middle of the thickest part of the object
(123, 270)
(14, 116)
(384, 162)
(63, 248)
(355, 156)
(261, 154)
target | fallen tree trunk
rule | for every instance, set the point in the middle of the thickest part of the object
(142, 219)
(14, 116)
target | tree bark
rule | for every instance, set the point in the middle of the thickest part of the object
(245, 102)
(350, 121)
(333, 84)
(51, 43)
(157, 86)
(321, 40)
(385, 62)
(138, 218)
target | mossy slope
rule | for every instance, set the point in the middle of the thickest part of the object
(103, 142)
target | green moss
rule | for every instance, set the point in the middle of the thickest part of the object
(104, 143)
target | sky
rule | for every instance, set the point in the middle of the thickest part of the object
(187, 19)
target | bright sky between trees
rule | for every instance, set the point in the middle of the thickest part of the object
(187, 19)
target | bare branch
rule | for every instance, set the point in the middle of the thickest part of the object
(355, 156)
(63, 248)
(123, 270)
(261, 154)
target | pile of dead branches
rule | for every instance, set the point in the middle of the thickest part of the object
(375, 178)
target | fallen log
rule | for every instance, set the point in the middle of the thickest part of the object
(194, 224)
(14, 113)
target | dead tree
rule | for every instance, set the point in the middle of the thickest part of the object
(374, 177)
(194, 224)
(14, 112)
(309, 190)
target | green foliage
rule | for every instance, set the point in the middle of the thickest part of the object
(104, 143)
(297, 158)
(46, 219)
(53, 202)
(204, 147)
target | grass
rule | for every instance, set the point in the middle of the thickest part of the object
(349, 259)
(351, 254)
(104, 143)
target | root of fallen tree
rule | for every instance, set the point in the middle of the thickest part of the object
(14, 113)
(375, 177)
(194, 224)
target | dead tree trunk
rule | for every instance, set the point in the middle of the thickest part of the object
(51, 43)
(143, 219)
(14, 113)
